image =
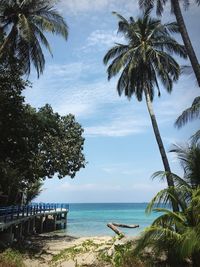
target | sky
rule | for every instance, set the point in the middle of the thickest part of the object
(120, 146)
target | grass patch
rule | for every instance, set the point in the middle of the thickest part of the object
(74, 251)
(11, 258)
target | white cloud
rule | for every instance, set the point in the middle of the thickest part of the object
(122, 169)
(118, 127)
(85, 99)
(96, 188)
(69, 88)
(87, 187)
(103, 39)
(80, 6)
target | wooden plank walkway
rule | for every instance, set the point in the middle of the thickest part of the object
(13, 215)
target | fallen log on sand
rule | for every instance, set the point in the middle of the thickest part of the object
(115, 229)
(114, 226)
(126, 225)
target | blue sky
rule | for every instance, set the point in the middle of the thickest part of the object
(119, 143)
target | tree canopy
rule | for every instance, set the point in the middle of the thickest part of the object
(34, 144)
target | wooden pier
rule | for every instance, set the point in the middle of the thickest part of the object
(16, 222)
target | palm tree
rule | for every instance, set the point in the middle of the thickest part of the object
(142, 61)
(176, 9)
(24, 22)
(177, 234)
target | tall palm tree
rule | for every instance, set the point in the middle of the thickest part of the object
(176, 9)
(24, 22)
(142, 61)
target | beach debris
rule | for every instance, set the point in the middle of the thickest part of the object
(113, 226)
(126, 225)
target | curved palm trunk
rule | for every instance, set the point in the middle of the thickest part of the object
(165, 161)
(186, 39)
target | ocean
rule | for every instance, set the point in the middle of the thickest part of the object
(90, 219)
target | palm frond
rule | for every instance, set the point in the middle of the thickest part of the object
(28, 21)
(157, 237)
(195, 137)
(164, 197)
(115, 52)
(189, 114)
(172, 27)
(168, 215)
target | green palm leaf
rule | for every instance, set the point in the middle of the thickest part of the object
(28, 21)
(189, 114)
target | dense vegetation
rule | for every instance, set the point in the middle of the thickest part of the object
(176, 235)
(34, 144)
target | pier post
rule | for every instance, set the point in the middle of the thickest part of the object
(27, 227)
(65, 223)
(41, 224)
(7, 236)
(19, 231)
(33, 230)
(55, 219)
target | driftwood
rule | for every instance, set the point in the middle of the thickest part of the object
(115, 229)
(126, 225)
(114, 226)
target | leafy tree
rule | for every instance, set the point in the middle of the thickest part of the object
(176, 9)
(34, 144)
(24, 23)
(142, 61)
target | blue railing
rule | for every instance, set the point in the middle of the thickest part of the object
(15, 212)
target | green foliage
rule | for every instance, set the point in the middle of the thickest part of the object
(24, 23)
(175, 236)
(68, 253)
(74, 251)
(123, 256)
(11, 258)
(33, 190)
(34, 144)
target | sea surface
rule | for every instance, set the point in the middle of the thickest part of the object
(91, 219)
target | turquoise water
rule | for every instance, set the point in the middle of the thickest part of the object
(91, 219)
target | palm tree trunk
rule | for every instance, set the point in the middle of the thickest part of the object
(186, 39)
(165, 161)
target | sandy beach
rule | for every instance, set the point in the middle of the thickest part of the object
(65, 251)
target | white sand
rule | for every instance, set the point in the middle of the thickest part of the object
(52, 245)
